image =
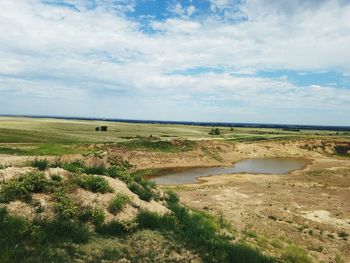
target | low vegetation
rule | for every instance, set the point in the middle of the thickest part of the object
(40, 164)
(40, 240)
(96, 184)
(155, 144)
(22, 187)
(118, 203)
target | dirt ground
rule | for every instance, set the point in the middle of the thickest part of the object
(310, 207)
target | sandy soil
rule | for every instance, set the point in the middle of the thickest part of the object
(310, 208)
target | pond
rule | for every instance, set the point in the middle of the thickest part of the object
(252, 166)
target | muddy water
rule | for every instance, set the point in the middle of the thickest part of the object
(253, 166)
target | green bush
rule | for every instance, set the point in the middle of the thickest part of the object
(63, 229)
(152, 220)
(143, 188)
(13, 190)
(118, 203)
(172, 197)
(38, 240)
(144, 182)
(89, 214)
(112, 228)
(40, 164)
(35, 182)
(93, 183)
(22, 187)
(100, 169)
(74, 167)
(64, 205)
(120, 173)
(14, 231)
(144, 193)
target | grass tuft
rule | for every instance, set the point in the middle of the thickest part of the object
(118, 203)
(93, 183)
(42, 165)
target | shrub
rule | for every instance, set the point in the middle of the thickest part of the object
(118, 203)
(13, 232)
(64, 229)
(152, 220)
(35, 182)
(13, 190)
(144, 182)
(22, 187)
(40, 164)
(100, 169)
(112, 228)
(94, 184)
(64, 205)
(120, 173)
(172, 197)
(74, 167)
(94, 215)
(144, 193)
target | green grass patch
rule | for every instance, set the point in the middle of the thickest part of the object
(93, 183)
(295, 254)
(118, 203)
(93, 215)
(11, 151)
(44, 149)
(112, 228)
(64, 205)
(39, 240)
(22, 187)
(40, 164)
(160, 146)
(200, 232)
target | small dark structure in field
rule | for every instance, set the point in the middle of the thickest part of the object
(215, 131)
(102, 128)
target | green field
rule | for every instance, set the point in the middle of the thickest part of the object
(31, 136)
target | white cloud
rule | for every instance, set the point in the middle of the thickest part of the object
(48, 51)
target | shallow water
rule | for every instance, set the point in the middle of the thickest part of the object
(254, 166)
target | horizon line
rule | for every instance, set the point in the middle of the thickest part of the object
(199, 123)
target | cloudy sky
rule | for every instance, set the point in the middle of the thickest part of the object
(265, 61)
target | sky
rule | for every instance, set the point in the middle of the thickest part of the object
(251, 61)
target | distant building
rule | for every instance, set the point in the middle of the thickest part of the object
(101, 128)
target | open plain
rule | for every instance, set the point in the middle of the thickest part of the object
(302, 216)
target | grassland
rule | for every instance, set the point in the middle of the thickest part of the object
(223, 219)
(27, 136)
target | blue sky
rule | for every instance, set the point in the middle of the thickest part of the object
(193, 60)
